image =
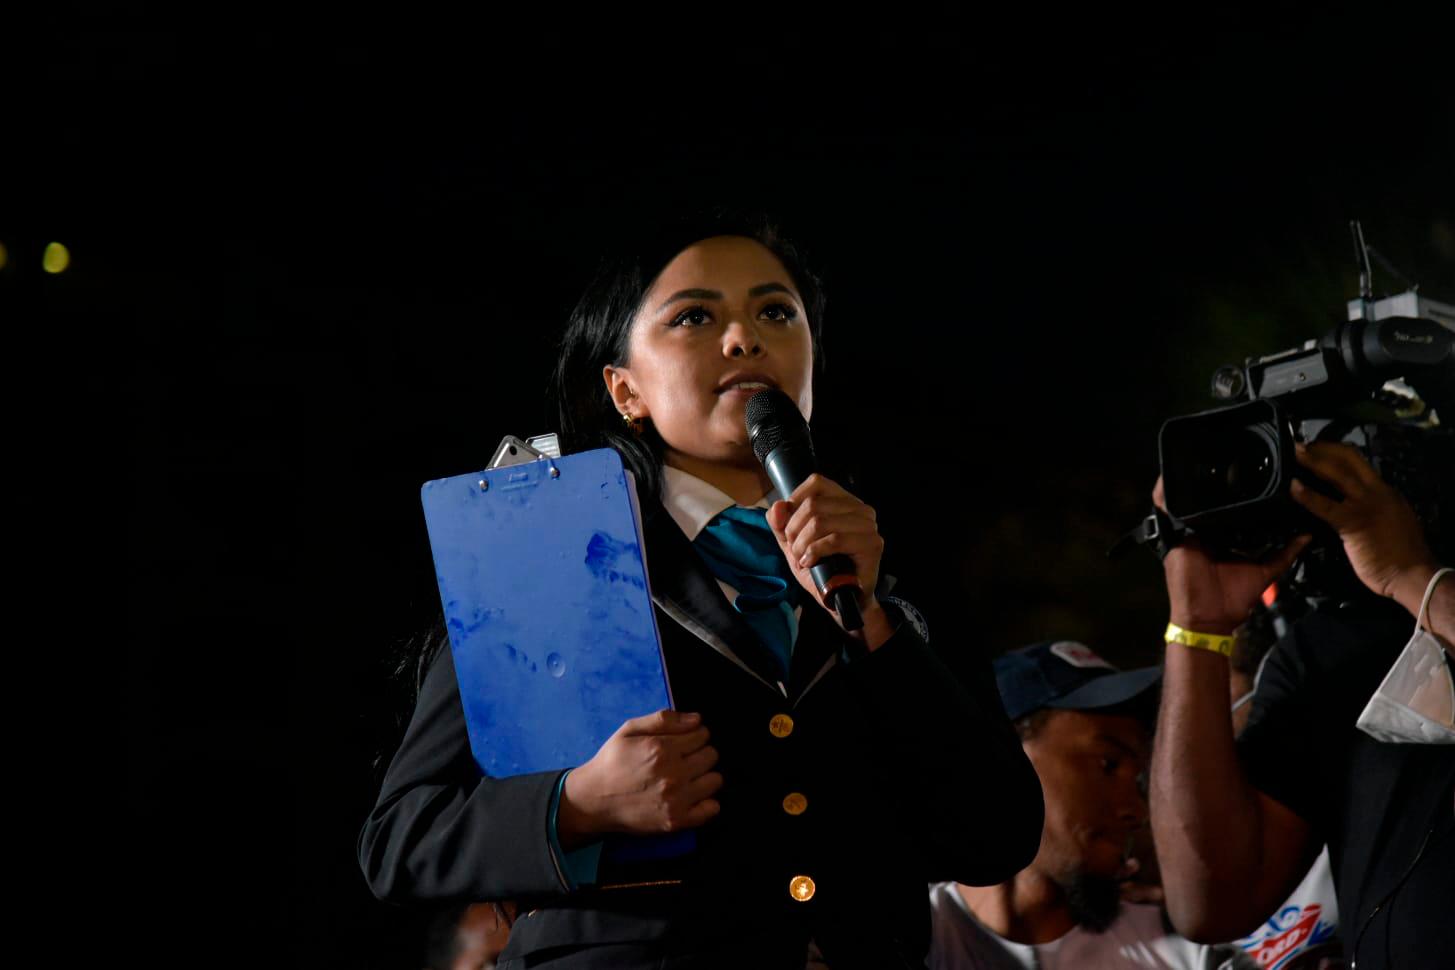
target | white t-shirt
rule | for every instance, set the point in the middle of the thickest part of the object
(1135, 939)
(1307, 920)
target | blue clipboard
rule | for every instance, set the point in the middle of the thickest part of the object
(543, 578)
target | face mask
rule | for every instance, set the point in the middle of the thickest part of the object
(1415, 703)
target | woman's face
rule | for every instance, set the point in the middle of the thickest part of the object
(721, 321)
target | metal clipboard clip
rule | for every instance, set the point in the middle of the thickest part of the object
(514, 451)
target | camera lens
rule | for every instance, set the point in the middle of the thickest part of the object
(1238, 465)
(1248, 473)
(1223, 462)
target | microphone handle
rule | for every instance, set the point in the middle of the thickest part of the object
(788, 466)
(845, 601)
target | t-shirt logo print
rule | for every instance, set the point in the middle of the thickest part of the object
(1291, 931)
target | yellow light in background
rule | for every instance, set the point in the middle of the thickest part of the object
(57, 258)
(4, 256)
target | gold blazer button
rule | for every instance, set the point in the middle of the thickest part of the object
(801, 888)
(780, 726)
(794, 803)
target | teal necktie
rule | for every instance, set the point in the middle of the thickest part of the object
(740, 549)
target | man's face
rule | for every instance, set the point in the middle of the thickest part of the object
(1090, 766)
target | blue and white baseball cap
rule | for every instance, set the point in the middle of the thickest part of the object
(1066, 675)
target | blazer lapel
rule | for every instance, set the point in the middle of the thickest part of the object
(820, 640)
(684, 588)
(817, 650)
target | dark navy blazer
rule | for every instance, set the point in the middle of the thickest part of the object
(905, 775)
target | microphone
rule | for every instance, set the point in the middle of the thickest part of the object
(781, 441)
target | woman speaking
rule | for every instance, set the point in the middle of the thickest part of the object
(828, 776)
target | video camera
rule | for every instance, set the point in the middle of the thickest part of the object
(1379, 381)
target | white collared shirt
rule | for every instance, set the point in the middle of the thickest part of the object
(693, 503)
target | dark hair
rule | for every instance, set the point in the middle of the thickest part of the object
(600, 327)
(407, 662)
(1030, 725)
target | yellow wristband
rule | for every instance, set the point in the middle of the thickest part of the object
(1202, 641)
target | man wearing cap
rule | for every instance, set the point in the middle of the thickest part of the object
(1083, 724)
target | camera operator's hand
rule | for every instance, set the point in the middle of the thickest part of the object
(1382, 537)
(1216, 597)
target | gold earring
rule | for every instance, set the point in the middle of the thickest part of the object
(633, 424)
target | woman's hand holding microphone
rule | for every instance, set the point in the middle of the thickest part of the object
(822, 519)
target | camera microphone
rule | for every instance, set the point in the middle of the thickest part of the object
(781, 441)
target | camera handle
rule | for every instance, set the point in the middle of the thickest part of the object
(1158, 530)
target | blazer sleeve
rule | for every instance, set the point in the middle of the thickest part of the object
(443, 830)
(952, 754)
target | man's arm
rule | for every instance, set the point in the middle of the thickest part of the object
(1228, 853)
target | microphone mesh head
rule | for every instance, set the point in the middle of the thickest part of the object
(772, 418)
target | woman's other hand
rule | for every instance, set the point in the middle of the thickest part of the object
(821, 519)
(653, 775)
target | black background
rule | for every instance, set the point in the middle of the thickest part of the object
(332, 257)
